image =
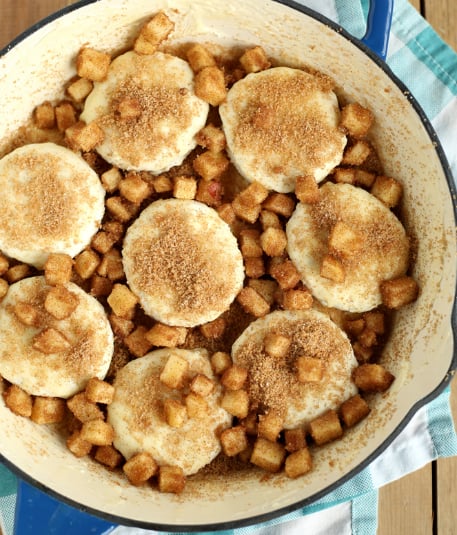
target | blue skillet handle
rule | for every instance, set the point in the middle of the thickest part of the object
(378, 26)
(39, 514)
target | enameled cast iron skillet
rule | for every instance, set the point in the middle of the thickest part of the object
(421, 350)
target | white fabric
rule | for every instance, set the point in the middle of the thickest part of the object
(336, 521)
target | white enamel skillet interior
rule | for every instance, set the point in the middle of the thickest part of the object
(421, 349)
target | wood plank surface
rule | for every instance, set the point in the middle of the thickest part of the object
(406, 506)
(442, 15)
(18, 15)
(422, 503)
(446, 486)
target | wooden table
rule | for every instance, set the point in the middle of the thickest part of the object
(422, 503)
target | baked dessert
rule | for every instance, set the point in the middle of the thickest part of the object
(187, 436)
(147, 111)
(282, 123)
(52, 201)
(358, 232)
(309, 374)
(53, 339)
(183, 262)
(227, 262)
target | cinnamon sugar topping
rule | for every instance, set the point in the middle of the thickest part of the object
(138, 412)
(49, 203)
(52, 202)
(148, 112)
(283, 117)
(160, 113)
(381, 237)
(183, 262)
(175, 261)
(273, 382)
(46, 372)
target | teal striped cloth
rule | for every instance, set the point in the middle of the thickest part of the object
(429, 68)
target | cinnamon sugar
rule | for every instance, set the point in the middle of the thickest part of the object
(160, 112)
(273, 382)
(175, 261)
(269, 380)
(49, 201)
(87, 345)
(138, 407)
(382, 238)
(80, 357)
(183, 262)
(274, 122)
(144, 404)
